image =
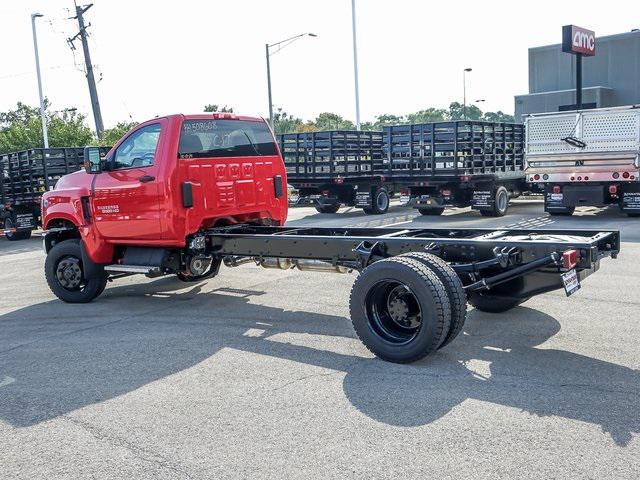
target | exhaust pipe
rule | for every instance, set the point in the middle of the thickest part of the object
(287, 264)
(302, 265)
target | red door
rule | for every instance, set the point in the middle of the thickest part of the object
(126, 202)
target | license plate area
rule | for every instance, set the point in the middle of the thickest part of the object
(571, 282)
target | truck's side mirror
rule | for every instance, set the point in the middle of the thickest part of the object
(92, 160)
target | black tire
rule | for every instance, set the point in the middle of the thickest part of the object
(15, 236)
(328, 208)
(494, 303)
(566, 213)
(380, 202)
(500, 204)
(85, 290)
(431, 211)
(453, 286)
(387, 304)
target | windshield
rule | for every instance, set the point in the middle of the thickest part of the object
(225, 138)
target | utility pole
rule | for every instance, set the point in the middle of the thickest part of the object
(93, 92)
(355, 61)
(43, 117)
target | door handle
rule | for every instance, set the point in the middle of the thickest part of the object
(146, 178)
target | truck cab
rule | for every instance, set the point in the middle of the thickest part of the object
(164, 181)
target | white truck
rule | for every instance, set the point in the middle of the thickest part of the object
(585, 158)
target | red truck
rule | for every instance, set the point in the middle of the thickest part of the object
(183, 194)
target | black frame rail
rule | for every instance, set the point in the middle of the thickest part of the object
(465, 249)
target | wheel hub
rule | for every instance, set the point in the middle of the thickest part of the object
(69, 273)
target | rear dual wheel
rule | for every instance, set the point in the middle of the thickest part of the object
(14, 236)
(500, 204)
(401, 309)
(380, 202)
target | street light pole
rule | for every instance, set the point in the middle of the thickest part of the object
(355, 62)
(269, 86)
(43, 118)
(281, 44)
(464, 92)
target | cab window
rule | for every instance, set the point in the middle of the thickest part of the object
(139, 148)
(225, 138)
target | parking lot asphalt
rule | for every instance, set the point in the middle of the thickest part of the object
(258, 374)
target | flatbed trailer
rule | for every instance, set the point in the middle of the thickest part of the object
(24, 177)
(457, 163)
(338, 167)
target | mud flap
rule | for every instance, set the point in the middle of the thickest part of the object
(484, 199)
(90, 269)
(630, 198)
(363, 200)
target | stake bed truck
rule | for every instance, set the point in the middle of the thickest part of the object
(585, 158)
(184, 195)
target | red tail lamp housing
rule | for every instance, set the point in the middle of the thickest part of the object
(569, 258)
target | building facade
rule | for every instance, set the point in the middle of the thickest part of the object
(610, 78)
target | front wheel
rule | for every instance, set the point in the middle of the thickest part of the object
(65, 274)
(14, 236)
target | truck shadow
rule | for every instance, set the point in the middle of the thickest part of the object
(64, 357)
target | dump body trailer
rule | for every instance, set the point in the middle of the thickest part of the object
(588, 158)
(461, 163)
(25, 175)
(184, 195)
(339, 167)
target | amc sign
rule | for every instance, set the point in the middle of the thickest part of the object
(578, 41)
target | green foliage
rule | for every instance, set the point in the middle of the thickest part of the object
(285, 123)
(456, 112)
(498, 116)
(428, 115)
(21, 129)
(111, 135)
(217, 108)
(332, 121)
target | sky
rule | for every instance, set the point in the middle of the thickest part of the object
(161, 57)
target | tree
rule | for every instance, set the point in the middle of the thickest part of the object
(387, 119)
(217, 108)
(111, 135)
(285, 123)
(428, 115)
(456, 112)
(21, 129)
(498, 116)
(332, 121)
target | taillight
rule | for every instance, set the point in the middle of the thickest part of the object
(616, 175)
(570, 258)
(557, 189)
(338, 180)
(625, 175)
(325, 193)
(613, 189)
(545, 177)
(536, 177)
(446, 193)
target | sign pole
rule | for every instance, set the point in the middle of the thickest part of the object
(578, 82)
